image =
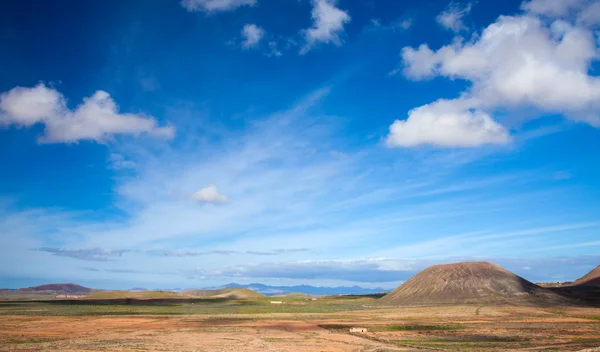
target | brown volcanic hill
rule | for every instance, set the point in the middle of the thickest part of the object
(469, 282)
(590, 279)
(62, 288)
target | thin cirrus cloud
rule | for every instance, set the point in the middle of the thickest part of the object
(96, 119)
(399, 25)
(118, 161)
(519, 61)
(393, 270)
(328, 25)
(290, 190)
(452, 17)
(104, 255)
(89, 254)
(215, 5)
(187, 253)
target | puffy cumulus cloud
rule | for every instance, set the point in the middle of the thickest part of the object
(446, 123)
(517, 62)
(451, 17)
(28, 106)
(328, 24)
(209, 194)
(96, 119)
(252, 35)
(215, 5)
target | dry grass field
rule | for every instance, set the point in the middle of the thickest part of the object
(297, 325)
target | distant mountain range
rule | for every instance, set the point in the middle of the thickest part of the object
(51, 290)
(311, 290)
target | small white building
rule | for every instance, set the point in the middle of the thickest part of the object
(276, 302)
(358, 329)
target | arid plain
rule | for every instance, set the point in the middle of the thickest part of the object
(456, 307)
(458, 327)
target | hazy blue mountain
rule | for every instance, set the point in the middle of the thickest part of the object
(311, 290)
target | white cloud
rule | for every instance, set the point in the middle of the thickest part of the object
(421, 61)
(252, 35)
(286, 190)
(446, 123)
(209, 194)
(590, 15)
(451, 17)
(586, 12)
(403, 24)
(328, 24)
(27, 106)
(519, 62)
(215, 5)
(274, 50)
(553, 8)
(118, 161)
(96, 119)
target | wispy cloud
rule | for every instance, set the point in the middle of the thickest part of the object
(215, 5)
(452, 17)
(186, 253)
(129, 271)
(390, 270)
(399, 25)
(293, 183)
(92, 254)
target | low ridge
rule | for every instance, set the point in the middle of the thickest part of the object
(590, 279)
(62, 288)
(240, 293)
(468, 282)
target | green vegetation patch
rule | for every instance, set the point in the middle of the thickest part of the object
(196, 306)
(23, 340)
(586, 340)
(416, 327)
(466, 343)
(592, 317)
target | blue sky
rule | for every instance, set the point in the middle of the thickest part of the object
(195, 143)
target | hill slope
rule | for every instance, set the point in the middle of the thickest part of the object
(590, 279)
(240, 293)
(73, 289)
(469, 282)
(228, 292)
(136, 295)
